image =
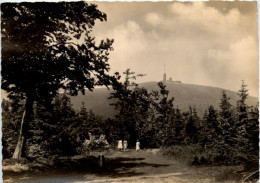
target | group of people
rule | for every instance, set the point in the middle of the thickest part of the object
(122, 146)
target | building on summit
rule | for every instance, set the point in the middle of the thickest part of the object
(170, 79)
(164, 77)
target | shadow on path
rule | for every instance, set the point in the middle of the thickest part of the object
(113, 167)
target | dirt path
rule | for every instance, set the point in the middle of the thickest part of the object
(130, 166)
(150, 166)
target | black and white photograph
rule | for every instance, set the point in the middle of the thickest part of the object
(131, 92)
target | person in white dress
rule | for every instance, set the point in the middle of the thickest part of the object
(137, 145)
(125, 145)
(120, 145)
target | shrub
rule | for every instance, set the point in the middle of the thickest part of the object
(210, 156)
(35, 151)
(184, 154)
(95, 144)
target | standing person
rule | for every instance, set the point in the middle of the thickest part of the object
(125, 145)
(137, 145)
(120, 145)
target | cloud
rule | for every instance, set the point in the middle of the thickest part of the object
(130, 43)
(208, 21)
(200, 13)
(153, 19)
(238, 61)
(199, 44)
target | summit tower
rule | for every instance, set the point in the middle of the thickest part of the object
(164, 75)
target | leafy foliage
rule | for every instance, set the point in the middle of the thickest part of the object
(56, 130)
(44, 40)
(132, 104)
(94, 144)
(11, 114)
(47, 47)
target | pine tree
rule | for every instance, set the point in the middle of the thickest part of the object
(227, 119)
(242, 116)
(241, 104)
(179, 127)
(132, 104)
(193, 125)
(165, 115)
(83, 111)
(225, 107)
(227, 142)
(245, 128)
(210, 130)
(252, 129)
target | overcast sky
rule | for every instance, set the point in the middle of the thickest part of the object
(206, 43)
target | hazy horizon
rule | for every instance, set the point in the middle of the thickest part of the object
(4, 94)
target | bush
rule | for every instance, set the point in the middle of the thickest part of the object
(212, 156)
(184, 154)
(95, 144)
(34, 151)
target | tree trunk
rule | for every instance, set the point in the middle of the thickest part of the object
(19, 150)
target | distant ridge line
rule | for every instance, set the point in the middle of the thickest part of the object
(185, 95)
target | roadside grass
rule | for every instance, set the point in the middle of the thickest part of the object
(227, 174)
(206, 164)
(195, 155)
(220, 174)
(183, 154)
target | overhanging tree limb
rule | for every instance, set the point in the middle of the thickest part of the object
(34, 69)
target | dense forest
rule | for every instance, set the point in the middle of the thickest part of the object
(227, 136)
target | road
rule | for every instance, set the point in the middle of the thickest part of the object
(150, 166)
(127, 167)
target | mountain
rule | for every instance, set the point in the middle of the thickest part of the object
(185, 95)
